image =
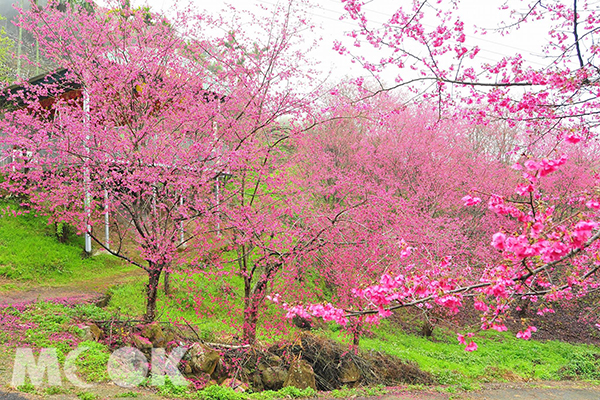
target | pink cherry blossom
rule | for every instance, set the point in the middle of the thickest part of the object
(471, 201)
(472, 346)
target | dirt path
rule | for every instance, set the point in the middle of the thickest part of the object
(85, 290)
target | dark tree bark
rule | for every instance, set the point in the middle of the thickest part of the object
(152, 291)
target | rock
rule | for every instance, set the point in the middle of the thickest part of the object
(103, 301)
(275, 361)
(256, 382)
(154, 333)
(140, 342)
(203, 359)
(349, 372)
(86, 334)
(301, 375)
(92, 332)
(271, 361)
(235, 384)
(220, 373)
(170, 337)
(273, 378)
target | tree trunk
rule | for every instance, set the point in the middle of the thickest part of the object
(250, 322)
(357, 331)
(152, 292)
(253, 299)
(427, 329)
(62, 231)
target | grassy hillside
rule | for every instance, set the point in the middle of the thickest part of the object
(500, 357)
(30, 252)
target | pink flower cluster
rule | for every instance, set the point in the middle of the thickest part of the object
(545, 166)
(498, 205)
(526, 334)
(472, 346)
(471, 201)
(325, 311)
(550, 250)
(582, 232)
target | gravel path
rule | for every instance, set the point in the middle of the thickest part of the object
(508, 391)
(590, 393)
(10, 396)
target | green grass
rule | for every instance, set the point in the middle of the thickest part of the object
(349, 393)
(87, 396)
(128, 395)
(51, 325)
(226, 393)
(30, 251)
(500, 357)
(129, 299)
(92, 362)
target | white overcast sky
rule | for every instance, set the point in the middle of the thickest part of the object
(327, 14)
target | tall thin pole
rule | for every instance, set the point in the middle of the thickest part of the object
(37, 57)
(181, 229)
(19, 44)
(86, 173)
(106, 221)
(218, 206)
(37, 48)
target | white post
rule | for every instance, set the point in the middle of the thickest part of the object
(217, 166)
(106, 221)
(218, 206)
(19, 44)
(37, 49)
(181, 231)
(86, 173)
(154, 190)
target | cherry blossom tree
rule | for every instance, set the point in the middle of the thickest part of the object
(541, 221)
(403, 174)
(549, 250)
(436, 50)
(164, 111)
(205, 132)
